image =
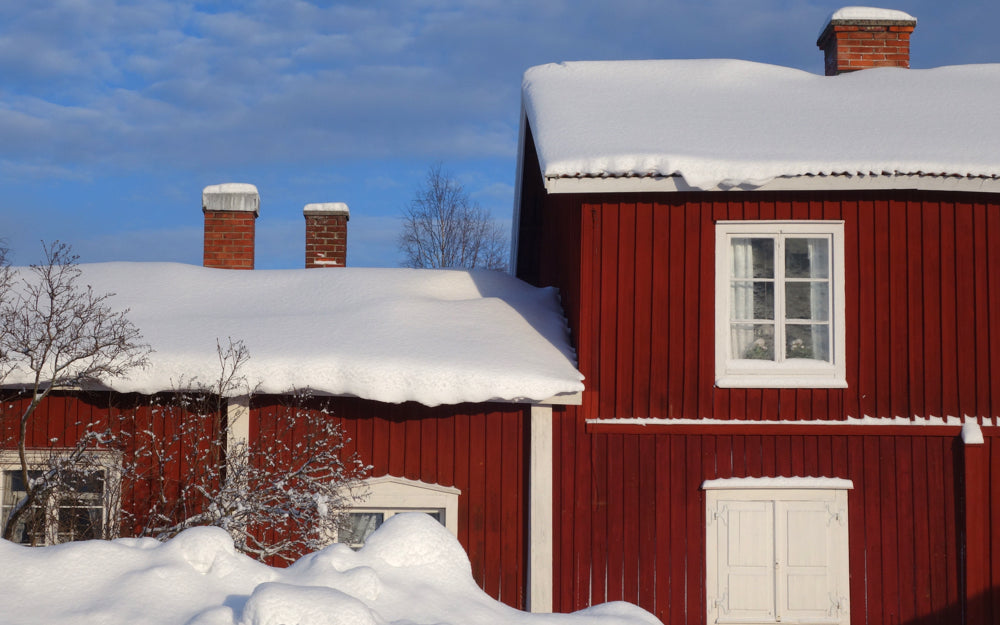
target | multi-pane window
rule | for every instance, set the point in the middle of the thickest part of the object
(780, 303)
(389, 495)
(74, 511)
(361, 524)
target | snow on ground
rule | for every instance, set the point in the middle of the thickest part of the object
(411, 570)
(432, 336)
(722, 123)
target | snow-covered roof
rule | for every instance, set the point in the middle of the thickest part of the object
(728, 123)
(394, 335)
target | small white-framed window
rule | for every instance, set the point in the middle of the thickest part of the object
(83, 507)
(389, 495)
(777, 551)
(780, 312)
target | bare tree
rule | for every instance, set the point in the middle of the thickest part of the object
(443, 227)
(57, 333)
(282, 497)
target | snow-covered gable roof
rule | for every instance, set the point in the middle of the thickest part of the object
(727, 123)
(394, 335)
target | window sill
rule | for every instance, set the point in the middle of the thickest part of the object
(779, 380)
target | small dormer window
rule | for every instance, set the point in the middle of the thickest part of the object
(780, 304)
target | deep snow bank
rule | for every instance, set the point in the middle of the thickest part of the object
(411, 570)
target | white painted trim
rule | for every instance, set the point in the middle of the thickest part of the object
(237, 421)
(778, 483)
(540, 512)
(563, 399)
(916, 421)
(835, 182)
(737, 373)
(391, 493)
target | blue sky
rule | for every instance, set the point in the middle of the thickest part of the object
(114, 115)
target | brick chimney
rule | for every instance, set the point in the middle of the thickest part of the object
(326, 234)
(862, 37)
(231, 211)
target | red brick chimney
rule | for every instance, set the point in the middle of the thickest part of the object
(862, 37)
(326, 234)
(230, 212)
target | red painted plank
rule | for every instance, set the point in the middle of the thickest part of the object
(981, 330)
(634, 505)
(993, 279)
(659, 368)
(922, 504)
(608, 365)
(646, 502)
(678, 345)
(582, 564)
(643, 298)
(872, 529)
(694, 523)
(665, 536)
(694, 277)
(624, 302)
(881, 286)
(949, 313)
(892, 529)
(598, 592)
(937, 525)
(511, 531)
(705, 385)
(932, 380)
(679, 497)
(903, 568)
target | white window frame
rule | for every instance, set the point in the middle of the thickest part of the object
(391, 495)
(733, 372)
(828, 494)
(40, 460)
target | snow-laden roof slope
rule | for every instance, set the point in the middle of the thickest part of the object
(432, 336)
(411, 570)
(726, 123)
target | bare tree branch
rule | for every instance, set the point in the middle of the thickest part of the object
(443, 227)
(282, 497)
(57, 333)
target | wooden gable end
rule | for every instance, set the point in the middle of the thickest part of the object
(922, 286)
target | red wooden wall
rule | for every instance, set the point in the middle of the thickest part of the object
(923, 300)
(631, 522)
(478, 448)
(63, 417)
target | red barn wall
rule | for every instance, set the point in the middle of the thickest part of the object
(477, 448)
(630, 516)
(923, 297)
(63, 417)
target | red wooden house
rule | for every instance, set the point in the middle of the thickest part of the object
(784, 292)
(435, 377)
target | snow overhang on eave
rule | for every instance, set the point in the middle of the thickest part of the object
(837, 182)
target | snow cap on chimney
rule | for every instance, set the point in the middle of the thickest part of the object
(326, 234)
(231, 211)
(863, 37)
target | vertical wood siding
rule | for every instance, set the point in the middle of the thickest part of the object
(922, 298)
(478, 448)
(63, 417)
(631, 522)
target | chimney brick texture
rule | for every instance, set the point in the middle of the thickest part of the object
(230, 225)
(853, 44)
(326, 234)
